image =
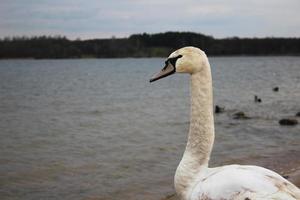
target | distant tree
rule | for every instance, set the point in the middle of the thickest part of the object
(142, 45)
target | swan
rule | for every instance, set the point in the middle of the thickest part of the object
(194, 179)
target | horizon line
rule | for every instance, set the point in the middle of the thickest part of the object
(141, 33)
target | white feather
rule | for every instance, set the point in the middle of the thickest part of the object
(241, 182)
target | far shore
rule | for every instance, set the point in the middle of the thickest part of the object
(141, 57)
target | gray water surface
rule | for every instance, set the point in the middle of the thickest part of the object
(97, 129)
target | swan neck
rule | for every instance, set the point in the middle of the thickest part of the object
(201, 132)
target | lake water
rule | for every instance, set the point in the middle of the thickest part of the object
(97, 129)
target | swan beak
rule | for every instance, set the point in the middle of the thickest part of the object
(166, 71)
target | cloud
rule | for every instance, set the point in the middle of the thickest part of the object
(99, 18)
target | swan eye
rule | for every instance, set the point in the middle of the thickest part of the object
(173, 60)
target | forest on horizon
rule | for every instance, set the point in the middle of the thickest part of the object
(143, 45)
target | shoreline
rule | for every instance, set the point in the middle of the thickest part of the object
(287, 164)
(143, 57)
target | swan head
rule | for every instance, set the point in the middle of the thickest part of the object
(185, 60)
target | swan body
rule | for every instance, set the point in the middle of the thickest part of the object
(241, 182)
(194, 180)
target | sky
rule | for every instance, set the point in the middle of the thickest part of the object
(86, 19)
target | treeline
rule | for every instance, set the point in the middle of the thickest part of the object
(143, 45)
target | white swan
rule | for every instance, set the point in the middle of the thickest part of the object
(194, 180)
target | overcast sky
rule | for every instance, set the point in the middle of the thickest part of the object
(106, 18)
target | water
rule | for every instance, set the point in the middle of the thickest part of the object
(97, 129)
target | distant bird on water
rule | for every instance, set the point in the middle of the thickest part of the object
(256, 99)
(219, 109)
(194, 180)
(276, 89)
